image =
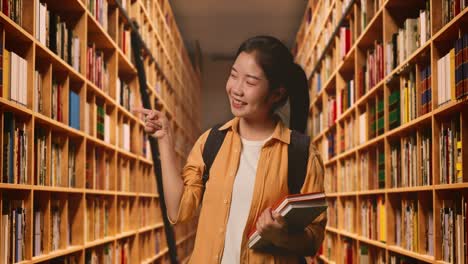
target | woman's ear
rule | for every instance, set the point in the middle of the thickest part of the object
(277, 95)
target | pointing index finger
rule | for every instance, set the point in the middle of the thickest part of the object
(142, 110)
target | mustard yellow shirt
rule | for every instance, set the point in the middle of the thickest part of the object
(271, 184)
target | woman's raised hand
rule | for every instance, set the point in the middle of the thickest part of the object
(156, 123)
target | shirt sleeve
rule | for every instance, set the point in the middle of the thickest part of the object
(314, 183)
(193, 184)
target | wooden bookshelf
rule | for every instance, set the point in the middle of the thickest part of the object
(80, 176)
(384, 117)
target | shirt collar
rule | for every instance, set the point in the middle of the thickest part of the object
(280, 133)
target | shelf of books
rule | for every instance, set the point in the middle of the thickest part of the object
(77, 179)
(389, 113)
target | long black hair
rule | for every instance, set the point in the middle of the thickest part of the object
(279, 67)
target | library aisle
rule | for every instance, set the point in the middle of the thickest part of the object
(77, 179)
(389, 113)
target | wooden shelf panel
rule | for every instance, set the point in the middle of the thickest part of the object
(388, 18)
(105, 240)
(324, 21)
(411, 254)
(56, 254)
(182, 82)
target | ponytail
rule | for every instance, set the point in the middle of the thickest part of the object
(298, 92)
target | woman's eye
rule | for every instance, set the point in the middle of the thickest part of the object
(233, 76)
(250, 83)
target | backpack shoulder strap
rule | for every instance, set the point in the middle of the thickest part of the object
(212, 145)
(298, 155)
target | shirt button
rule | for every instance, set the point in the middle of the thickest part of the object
(225, 201)
(221, 230)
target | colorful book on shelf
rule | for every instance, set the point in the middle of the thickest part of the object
(5, 232)
(409, 163)
(15, 151)
(37, 87)
(13, 9)
(331, 144)
(14, 77)
(332, 113)
(459, 90)
(425, 23)
(348, 252)
(40, 161)
(446, 78)
(56, 163)
(349, 209)
(380, 117)
(345, 40)
(426, 91)
(395, 165)
(426, 149)
(57, 111)
(451, 9)
(409, 97)
(8, 140)
(458, 159)
(100, 121)
(342, 144)
(381, 168)
(126, 136)
(74, 110)
(364, 166)
(319, 82)
(298, 210)
(465, 64)
(374, 65)
(364, 15)
(461, 66)
(372, 122)
(362, 81)
(14, 221)
(99, 9)
(369, 219)
(6, 74)
(429, 235)
(71, 164)
(89, 171)
(38, 232)
(411, 224)
(394, 109)
(450, 154)
(382, 219)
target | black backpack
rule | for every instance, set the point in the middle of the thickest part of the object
(298, 154)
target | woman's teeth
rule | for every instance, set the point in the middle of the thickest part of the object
(239, 102)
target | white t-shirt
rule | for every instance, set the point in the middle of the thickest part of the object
(242, 193)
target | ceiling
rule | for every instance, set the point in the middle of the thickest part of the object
(220, 26)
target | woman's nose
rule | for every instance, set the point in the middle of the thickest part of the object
(237, 89)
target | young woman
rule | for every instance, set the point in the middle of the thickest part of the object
(250, 171)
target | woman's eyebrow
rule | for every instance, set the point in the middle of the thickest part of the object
(248, 75)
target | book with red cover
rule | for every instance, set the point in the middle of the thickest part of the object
(298, 210)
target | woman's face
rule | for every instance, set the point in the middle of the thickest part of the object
(247, 89)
